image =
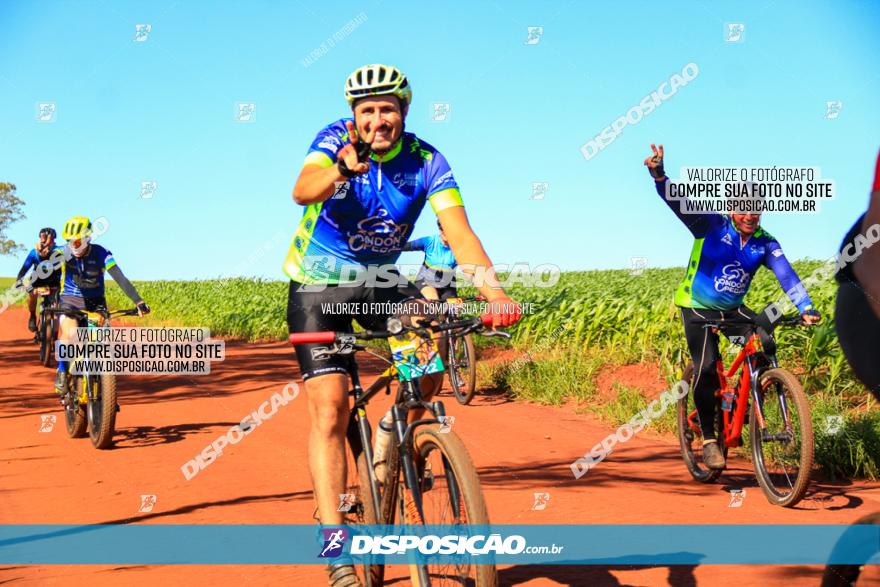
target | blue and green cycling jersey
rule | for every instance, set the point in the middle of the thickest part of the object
(370, 217)
(46, 272)
(437, 255)
(83, 277)
(721, 266)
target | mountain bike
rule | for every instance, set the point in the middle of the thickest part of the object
(430, 477)
(780, 429)
(47, 323)
(90, 398)
(461, 356)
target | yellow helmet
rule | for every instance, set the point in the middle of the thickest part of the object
(377, 80)
(76, 227)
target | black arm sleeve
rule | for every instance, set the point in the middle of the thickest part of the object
(117, 275)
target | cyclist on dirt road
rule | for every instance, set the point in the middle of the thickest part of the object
(727, 252)
(436, 277)
(82, 282)
(364, 183)
(45, 273)
(857, 314)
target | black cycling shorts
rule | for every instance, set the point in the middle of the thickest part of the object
(441, 280)
(82, 304)
(858, 327)
(317, 311)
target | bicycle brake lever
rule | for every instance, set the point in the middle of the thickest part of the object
(496, 333)
(344, 345)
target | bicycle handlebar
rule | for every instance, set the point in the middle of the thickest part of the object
(71, 312)
(329, 337)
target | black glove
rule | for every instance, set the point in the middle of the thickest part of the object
(657, 172)
(362, 150)
(143, 307)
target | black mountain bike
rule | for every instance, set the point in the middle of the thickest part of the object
(47, 323)
(90, 398)
(430, 477)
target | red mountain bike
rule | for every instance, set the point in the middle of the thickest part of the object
(780, 431)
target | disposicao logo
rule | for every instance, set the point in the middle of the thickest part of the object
(334, 541)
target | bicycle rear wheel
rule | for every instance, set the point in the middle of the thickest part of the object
(462, 368)
(101, 409)
(691, 440)
(451, 495)
(783, 451)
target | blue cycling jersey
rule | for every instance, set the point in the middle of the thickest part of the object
(437, 255)
(370, 217)
(83, 277)
(721, 266)
(46, 272)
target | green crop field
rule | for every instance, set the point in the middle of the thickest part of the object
(581, 324)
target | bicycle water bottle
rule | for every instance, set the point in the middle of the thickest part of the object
(727, 401)
(383, 438)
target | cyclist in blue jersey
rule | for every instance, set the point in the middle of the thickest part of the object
(727, 252)
(82, 282)
(436, 277)
(364, 184)
(44, 273)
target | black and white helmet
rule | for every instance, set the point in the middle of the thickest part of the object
(377, 80)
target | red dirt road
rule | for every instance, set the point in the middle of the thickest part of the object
(519, 449)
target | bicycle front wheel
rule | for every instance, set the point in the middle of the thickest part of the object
(47, 339)
(462, 368)
(74, 411)
(451, 495)
(782, 450)
(356, 504)
(101, 409)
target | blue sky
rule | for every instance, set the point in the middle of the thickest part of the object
(163, 110)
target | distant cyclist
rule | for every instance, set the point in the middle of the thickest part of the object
(82, 282)
(46, 272)
(857, 314)
(364, 184)
(436, 277)
(727, 252)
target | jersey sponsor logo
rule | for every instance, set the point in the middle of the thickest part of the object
(340, 189)
(401, 179)
(330, 143)
(777, 253)
(755, 249)
(733, 279)
(726, 239)
(443, 178)
(378, 234)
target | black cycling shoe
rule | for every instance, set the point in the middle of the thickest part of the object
(712, 456)
(343, 575)
(61, 383)
(32, 323)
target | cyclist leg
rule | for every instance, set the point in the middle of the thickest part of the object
(326, 381)
(66, 326)
(703, 347)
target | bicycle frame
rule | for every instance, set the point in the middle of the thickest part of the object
(747, 388)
